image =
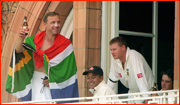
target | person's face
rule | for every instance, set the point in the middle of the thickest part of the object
(53, 25)
(93, 80)
(166, 83)
(117, 51)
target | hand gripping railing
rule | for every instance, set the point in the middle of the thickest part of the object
(166, 97)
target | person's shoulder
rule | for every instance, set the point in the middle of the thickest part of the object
(106, 87)
(30, 38)
(133, 53)
(62, 37)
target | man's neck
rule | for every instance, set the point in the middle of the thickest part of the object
(49, 37)
(123, 59)
(48, 42)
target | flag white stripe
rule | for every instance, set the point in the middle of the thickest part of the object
(64, 84)
(23, 92)
(61, 56)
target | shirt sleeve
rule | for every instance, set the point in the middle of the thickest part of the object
(139, 65)
(113, 79)
(113, 85)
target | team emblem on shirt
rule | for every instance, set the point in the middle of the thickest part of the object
(91, 68)
(139, 75)
(127, 72)
(120, 75)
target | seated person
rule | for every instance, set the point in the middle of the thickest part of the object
(97, 85)
(166, 82)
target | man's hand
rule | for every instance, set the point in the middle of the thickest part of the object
(146, 101)
(153, 95)
(22, 36)
(46, 82)
(22, 33)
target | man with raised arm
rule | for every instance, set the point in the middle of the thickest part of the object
(45, 66)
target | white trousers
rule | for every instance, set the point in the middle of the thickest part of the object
(37, 86)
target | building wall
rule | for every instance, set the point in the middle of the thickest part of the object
(176, 46)
(8, 9)
(86, 39)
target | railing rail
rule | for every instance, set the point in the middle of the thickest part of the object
(169, 96)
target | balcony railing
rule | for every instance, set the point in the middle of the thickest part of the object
(166, 97)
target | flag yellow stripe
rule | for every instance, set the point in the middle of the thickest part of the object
(21, 63)
(47, 58)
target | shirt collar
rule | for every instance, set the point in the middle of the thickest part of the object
(127, 53)
(97, 87)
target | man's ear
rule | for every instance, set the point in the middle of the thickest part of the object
(123, 47)
(44, 24)
(101, 78)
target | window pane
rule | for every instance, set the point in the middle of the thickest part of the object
(136, 16)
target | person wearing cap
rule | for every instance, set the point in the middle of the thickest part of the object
(97, 85)
(130, 67)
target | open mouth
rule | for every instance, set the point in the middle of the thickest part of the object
(90, 83)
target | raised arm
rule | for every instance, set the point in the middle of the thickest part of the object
(19, 45)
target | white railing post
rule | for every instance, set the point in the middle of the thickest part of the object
(178, 98)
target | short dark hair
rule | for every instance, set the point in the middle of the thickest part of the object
(169, 73)
(49, 14)
(120, 40)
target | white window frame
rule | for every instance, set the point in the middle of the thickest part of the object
(67, 28)
(110, 16)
